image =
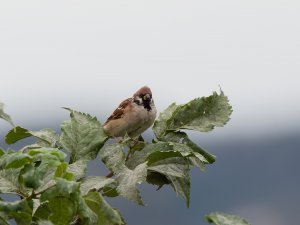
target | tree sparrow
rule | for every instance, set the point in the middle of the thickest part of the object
(133, 116)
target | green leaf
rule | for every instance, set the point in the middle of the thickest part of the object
(200, 114)
(83, 136)
(169, 169)
(110, 191)
(9, 181)
(181, 137)
(16, 134)
(198, 161)
(86, 214)
(114, 158)
(94, 183)
(219, 218)
(5, 116)
(61, 171)
(176, 171)
(3, 221)
(31, 177)
(21, 211)
(156, 178)
(22, 218)
(141, 156)
(47, 137)
(1, 152)
(62, 188)
(42, 212)
(182, 187)
(71, 190)
(14, 160)
(161, 155)
(161, 150)
(46, 161)
(106, 214)
(48, 154)
(128, 180)
(78, 169)
(161, 123)
(63, 210)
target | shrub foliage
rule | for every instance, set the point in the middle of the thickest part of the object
(54, 190)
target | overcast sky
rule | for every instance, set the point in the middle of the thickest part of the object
(90, 55)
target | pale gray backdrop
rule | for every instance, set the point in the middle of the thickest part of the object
(90, 55)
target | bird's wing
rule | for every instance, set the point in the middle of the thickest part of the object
(119, 112)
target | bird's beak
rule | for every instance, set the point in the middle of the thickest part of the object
(147, 97)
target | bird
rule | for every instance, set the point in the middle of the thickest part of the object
(133, 116)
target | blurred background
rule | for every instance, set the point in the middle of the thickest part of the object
(90, 55)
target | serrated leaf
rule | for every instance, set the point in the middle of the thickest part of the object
(31, 177)
(161, 155)
(4, 115)
(16, 134)
(181, 137)
(161, 150)
(106, 214)
(83, 136)
(62, 188)
(34, 177)
(198, 161)
(94, 183)
(9, 181)
(61, 171)
(176, 170)
(200, 114)
(161, 123)
(42, 212)
(21, 211)
(71, 190)
(22, 205)
(78, 169)
(128, 180)
(109, 191)
(46, 161)
(219, 218)
(47, 137)
(47, 154)
(63, 210)
(86, 214)
(139, 157)
(14, 160)
(36, 203)
(182, 187)
(171, 169)
(114, 158)
(21, 218)
(156, 178)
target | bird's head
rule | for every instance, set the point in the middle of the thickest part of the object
(144, 96)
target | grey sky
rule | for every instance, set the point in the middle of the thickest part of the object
(91, 55)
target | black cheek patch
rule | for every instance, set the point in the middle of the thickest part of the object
(147, 105)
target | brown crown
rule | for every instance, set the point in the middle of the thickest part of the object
(142, 91)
